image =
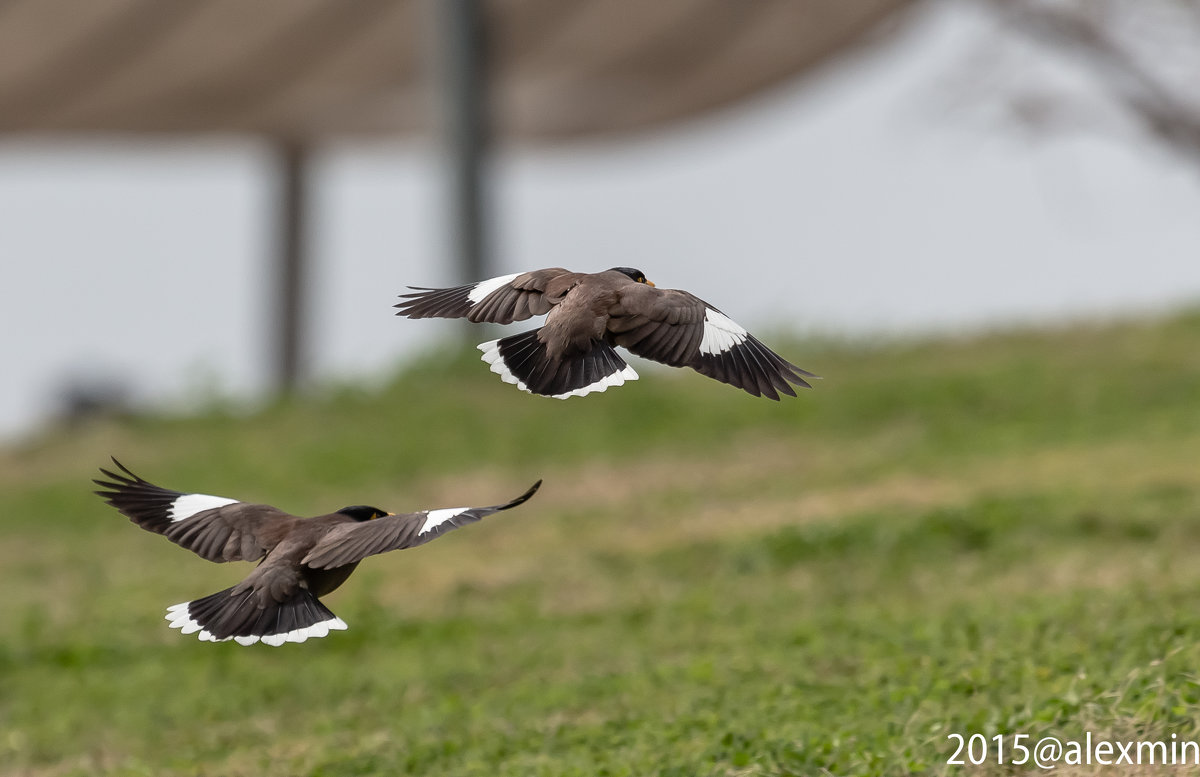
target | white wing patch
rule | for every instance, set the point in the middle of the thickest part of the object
(189, 504)
(721, 333)
(179, 618)
(491, 355)
(435, 518)
(484, 288)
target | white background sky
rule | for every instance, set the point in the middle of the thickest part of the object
(882, 196)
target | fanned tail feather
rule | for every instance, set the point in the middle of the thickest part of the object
(237, 615)
(523, 360)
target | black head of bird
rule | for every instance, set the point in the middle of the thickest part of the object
(587, 315)
(636, 275)
(364, 512)
(300, 559)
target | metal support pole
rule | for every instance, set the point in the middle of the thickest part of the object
(463, 46)
(291, 267)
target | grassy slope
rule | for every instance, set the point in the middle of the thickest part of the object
(988, 535)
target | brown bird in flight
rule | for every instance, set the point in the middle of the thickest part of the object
(301, 559)
(587, 314)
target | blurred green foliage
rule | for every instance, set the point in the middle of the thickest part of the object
(985, 534)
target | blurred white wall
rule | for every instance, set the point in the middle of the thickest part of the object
(872, 199)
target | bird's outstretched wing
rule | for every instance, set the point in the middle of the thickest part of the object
(501, 300)
(351, 542)
(212, 527)
(682, 330)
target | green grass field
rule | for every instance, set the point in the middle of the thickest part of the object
(995, 535)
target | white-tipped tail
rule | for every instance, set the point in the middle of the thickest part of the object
(492, 355)
(179, 617)
(615, 379)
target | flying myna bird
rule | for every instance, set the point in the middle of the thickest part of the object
(587, 314)
(300, 559)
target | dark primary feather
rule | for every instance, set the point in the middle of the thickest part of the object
(234, 532)
(667, 326)
(753, 367)
(517, 300)
(436, 303)
(141, 501)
